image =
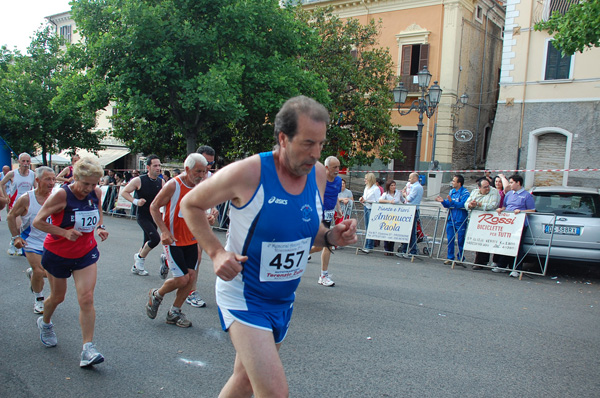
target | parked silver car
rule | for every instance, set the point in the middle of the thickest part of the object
(576, 229)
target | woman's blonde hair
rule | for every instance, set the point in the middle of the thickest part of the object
(87, 167)
(370, 177)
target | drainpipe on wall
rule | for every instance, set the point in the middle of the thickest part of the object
(487, 21)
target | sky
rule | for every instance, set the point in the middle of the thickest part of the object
(19, 19)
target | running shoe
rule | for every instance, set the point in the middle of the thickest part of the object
(90, 355)
(179, 319)
(47, 334)
(29, 272)
(326, 281)
(138, 266)
(164, 269)
(38, 306)
(194, 300)
(12, 250)
(153, 303)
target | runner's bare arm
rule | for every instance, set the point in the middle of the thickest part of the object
(162, 199)
(19, 209)
(61, 176)
(236, 182)
(102, 233)
(133, 185)
(5, 181)
(54, 204)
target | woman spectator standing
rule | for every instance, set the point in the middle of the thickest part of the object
(70, 248)
(371, 194)
(502, 185)
(345, 202)
(391, 195)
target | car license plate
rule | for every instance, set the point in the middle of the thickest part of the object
(562, 230)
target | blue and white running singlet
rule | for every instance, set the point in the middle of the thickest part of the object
(276, 231)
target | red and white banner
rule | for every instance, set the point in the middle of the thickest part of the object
(490, 232)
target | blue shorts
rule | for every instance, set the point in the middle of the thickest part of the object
(277, 322)
(40, 252)
(60, 267)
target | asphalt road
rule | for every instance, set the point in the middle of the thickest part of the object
(389, 328)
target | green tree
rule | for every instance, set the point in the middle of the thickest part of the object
(577, 29)
(195, 70)
(44, 106)
(359, 75)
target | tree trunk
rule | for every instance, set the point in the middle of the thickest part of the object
(191, 142)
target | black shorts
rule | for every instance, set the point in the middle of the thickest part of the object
(181, 258)
(61, 267)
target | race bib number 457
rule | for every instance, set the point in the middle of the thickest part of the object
(283, 261)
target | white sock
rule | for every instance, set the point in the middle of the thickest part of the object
(175, 309)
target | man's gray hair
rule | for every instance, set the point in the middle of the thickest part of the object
(41, 170)
(329, 159)
(24, 154)
(192, 159)
(286, 120)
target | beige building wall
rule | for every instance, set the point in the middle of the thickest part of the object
(439, 23)
(545, 122)
(65, 25)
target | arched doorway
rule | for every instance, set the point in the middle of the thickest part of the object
(549, 148)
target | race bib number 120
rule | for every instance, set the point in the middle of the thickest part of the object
(85, 221)
(283, 261)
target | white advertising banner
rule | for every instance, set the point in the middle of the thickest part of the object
(122, 203)
(391, 222)
(104, 189)
(490, 232)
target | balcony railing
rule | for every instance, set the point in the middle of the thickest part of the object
(544, 8)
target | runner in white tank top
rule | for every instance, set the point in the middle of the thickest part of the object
(31, 239)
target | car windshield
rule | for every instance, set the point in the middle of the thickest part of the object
(568, 204)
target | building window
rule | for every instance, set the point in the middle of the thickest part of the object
(65, 33)
(414, 58)
(557, 66)
(479, 14)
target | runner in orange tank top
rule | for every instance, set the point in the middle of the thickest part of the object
(180, 246)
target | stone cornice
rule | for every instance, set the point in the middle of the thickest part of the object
(356, 8)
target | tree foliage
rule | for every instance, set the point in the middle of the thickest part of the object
(359, 75)
(44, 102)
(577, 29)
(195, 70)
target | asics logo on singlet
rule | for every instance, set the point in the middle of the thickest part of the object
(277, 201)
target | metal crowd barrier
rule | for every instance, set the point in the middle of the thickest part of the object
(114, 204)
(535, 247)
(429, 220)
(432, 240)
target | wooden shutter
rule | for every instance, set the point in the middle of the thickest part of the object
(406, 53)
(424, 57)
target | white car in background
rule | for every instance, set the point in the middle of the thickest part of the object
(576, 228)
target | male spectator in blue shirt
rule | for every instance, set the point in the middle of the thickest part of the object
(412, 194)
(516, 200)
(456, 227)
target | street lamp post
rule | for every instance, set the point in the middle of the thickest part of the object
(426, 104)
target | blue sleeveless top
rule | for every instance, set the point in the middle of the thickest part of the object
(276, 231)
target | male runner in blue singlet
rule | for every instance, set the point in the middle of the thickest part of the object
(275, 217)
